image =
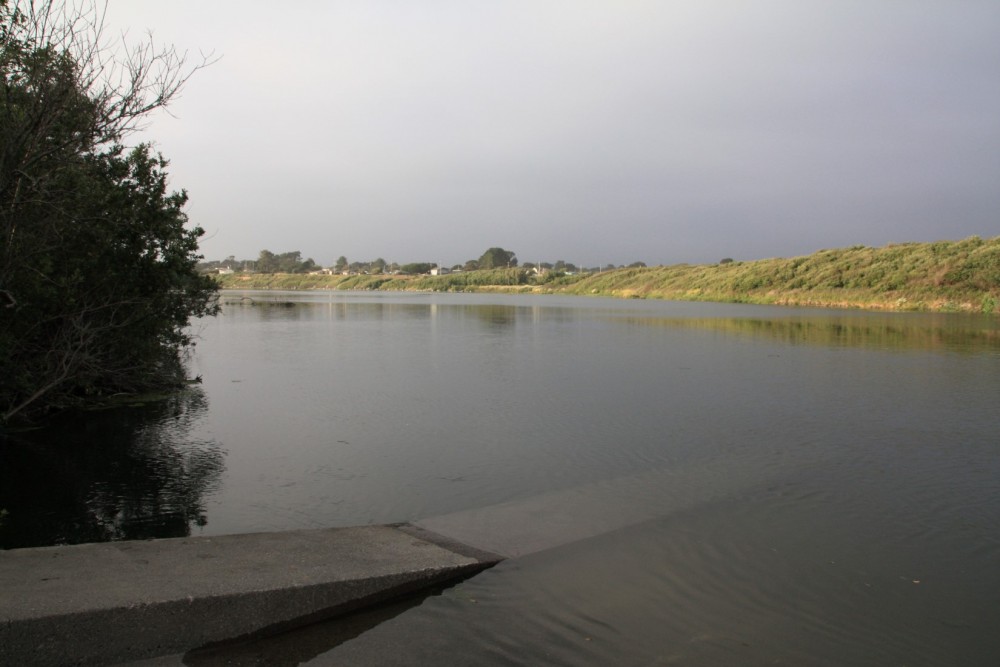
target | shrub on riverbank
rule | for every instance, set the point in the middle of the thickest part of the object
(466, 281)
(98, 276)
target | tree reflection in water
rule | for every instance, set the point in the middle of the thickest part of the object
(123, 474)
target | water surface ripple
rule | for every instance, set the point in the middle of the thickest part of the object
(682, 483)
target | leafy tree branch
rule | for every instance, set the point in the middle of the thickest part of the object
(97, 262)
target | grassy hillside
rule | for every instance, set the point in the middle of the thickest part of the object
(945, 276)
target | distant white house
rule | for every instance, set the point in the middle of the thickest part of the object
(440, 271)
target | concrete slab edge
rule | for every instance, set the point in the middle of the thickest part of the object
(141, 631)
(450, 544)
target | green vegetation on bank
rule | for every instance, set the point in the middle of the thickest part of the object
(466, 281)
(945, 275)
(941, 276)
(98, 277)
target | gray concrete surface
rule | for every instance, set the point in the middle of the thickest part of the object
(125, 601)
(548, 520)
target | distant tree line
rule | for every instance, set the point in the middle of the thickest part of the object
(286, 262)
(493, 258)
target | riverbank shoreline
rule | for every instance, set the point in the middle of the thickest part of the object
(944, 276)
(843, 301)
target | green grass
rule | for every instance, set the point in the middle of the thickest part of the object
(941, 276)
(946, 275)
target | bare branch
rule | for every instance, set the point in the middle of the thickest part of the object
(127, 81)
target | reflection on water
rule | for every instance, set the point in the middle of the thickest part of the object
(812, 486)
(281, 308)
(827, 327)
(128, 473)
(922, 332)
(845, 456)
(495, 316)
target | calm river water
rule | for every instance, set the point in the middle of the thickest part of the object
(753, 485)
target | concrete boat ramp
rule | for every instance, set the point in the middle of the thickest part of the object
(126, 601)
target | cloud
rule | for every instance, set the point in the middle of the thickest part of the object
(660, 131)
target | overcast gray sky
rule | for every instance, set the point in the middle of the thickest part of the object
(612, 131)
